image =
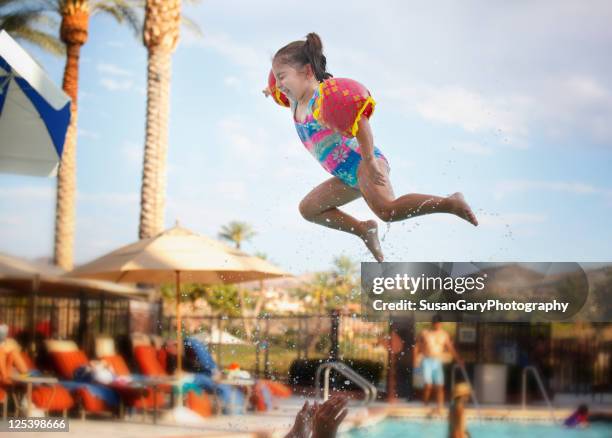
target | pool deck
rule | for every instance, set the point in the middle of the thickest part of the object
(277, 422)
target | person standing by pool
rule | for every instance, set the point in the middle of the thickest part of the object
(430, 348)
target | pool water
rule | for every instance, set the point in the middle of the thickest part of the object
(486, 429)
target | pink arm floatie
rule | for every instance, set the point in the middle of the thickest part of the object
(341, 104)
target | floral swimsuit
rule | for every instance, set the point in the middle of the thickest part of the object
(338, 155)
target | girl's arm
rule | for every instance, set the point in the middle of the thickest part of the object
(365, 138)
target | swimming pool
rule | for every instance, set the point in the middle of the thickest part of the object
(397, 428)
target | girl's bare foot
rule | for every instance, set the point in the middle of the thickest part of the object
(461, 208)
(369, 235)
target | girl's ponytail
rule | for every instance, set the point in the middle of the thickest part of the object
(300, 53)
(313, 49)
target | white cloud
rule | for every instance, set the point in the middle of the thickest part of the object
(472, 148)
(133, 152)
(232, 190)
(510, 219)
(472, 111)
(504, 188)
(10, 220)
(245, 141)
(232, 82)
(114, 70)
(85, 133)
(117, 84)
(241, 54)
(27, 193)
(116, 44)
(116, 78)
(574, 103)
(109, 198)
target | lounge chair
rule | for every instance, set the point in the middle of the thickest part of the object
(147, 359)
(105, 351)
(263, 390)
(4, 403)
(46, 397)
(68, 361)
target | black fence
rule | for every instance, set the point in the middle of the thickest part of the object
(267, 346)
(79, 319)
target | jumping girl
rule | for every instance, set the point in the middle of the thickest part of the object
(359, 168)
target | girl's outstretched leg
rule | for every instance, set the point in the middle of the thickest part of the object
(321, 207)
(382, 201)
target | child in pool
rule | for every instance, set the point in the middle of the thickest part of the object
(457, 423)
(359, 168)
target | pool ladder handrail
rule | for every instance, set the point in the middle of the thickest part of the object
(469, 382)
(367, 387)
(538, 378)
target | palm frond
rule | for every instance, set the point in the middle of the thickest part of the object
(45, 41)
(19, 18)
(122, 11)
(191, 25)
(33, 22)
(4, 3)
(34, 26)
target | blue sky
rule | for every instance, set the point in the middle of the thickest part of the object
(509, 102)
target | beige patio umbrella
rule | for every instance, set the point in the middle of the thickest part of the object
(177, 255)
(24, 276)
(20, 277)
(16, 267)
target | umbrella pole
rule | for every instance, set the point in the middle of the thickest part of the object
(179, 328)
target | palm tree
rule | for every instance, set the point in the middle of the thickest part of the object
(160, 37)
(23, 17)
(237, 232)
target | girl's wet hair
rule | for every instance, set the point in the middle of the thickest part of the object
(300, 53)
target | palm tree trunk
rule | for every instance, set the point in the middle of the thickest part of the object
(160, 36)
(153, 191)
(66, 178)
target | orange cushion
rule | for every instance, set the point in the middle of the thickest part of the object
(117, 364)
(28, 360)
(257, 398)
(277, 388)
(91, 403)
(162, 357)
(66, 362)
(2, 395)
(148, 401)
(199, 403)
(146, 358)
(44, 398)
